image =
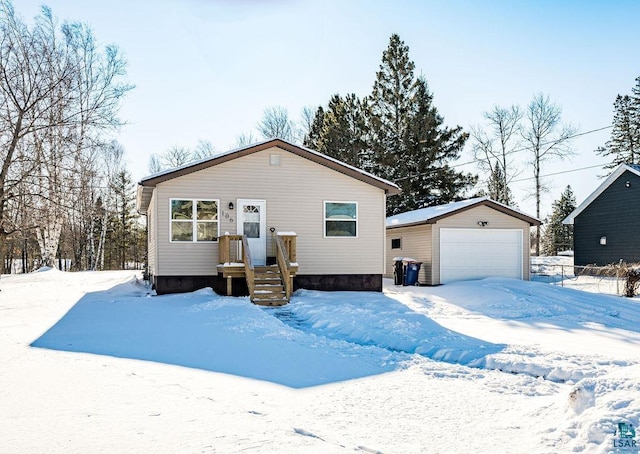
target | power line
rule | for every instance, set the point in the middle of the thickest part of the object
(559, 173)
(515, 151)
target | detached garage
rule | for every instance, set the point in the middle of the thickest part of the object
(470, 239)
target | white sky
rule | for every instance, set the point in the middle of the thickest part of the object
(207, 69)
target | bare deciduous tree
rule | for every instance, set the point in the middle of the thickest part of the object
(177, 156)
(173, 157)
(276, 124)
(203, 150)
(546, 138)
(307, 117)
(58, 94)
(245, 138)
(496, 148)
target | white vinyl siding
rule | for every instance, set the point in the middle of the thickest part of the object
(295, 192)
(415, 243)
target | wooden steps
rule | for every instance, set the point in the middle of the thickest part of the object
(268, 286)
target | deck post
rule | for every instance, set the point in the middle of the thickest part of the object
(223, 252)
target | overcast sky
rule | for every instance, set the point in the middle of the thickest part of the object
(205, 69)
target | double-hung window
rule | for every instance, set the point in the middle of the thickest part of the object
(194, 220)
(340, 219)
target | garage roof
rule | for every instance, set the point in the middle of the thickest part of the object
(431, 215)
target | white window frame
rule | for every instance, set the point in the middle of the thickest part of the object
(194, 220)
(324, 218)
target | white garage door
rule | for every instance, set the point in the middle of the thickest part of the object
(479, 253)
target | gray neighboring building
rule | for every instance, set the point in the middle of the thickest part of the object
(606, 226)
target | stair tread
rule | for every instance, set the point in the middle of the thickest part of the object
(271, 303)
(268, 286)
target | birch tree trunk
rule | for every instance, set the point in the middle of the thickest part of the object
(48, 239)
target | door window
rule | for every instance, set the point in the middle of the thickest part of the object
(251, 221)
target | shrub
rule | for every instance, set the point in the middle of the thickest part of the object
(631, 274)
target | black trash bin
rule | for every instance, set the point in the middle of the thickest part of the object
(398, 270)
(411, 272)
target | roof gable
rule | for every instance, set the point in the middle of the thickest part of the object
(617, 172)
(431, 215)
(146, 185)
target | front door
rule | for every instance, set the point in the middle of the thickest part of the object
(252, 222)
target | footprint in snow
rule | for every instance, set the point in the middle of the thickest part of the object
(306, 433)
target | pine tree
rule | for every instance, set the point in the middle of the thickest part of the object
(339, 131)
(389, 107)
(122, 219)
(624, 145)
(497, 189)
(314, 135)
(409, 143)
(558, 236)
(422, 172)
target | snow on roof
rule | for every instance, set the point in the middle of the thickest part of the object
(428, 213)
(424, 215)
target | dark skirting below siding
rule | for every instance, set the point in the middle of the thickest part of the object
(183, 284)
(338, 282)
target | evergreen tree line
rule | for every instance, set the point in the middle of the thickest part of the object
(65, 195)
(558, 237)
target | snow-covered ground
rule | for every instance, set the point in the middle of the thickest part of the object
(560, 271)
(90, 362)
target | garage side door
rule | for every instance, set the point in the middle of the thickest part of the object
(478, 253)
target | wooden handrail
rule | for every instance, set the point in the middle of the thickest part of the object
(285, 258)
(224, 248)
(249, 272)
(285, 246)
(290, 245)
